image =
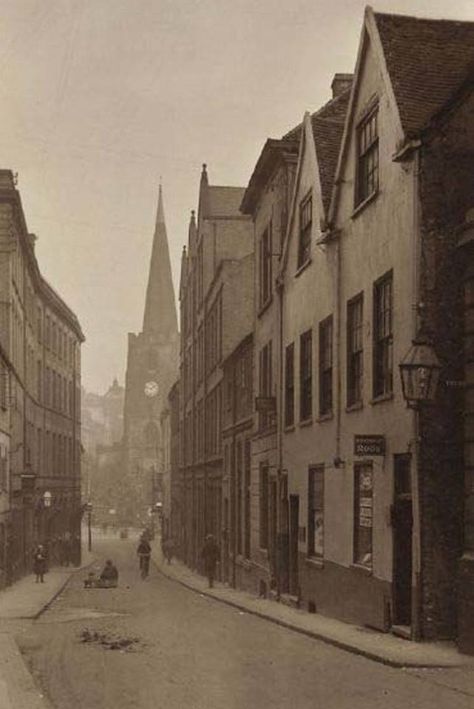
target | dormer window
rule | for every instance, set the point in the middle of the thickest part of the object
(367, 179)
(306, 221)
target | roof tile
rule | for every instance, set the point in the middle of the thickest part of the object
(428, 62)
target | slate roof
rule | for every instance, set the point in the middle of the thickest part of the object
(224, 201)
(428, 62)
(328, 128)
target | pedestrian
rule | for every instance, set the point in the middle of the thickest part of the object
(167, 547)
(144, 553)
(210, 554)
(109, 575)
(39, 563)
(67, 548)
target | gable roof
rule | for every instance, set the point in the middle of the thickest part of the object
(328, 128)
(428, 62)
(272, 151)
(224, 201)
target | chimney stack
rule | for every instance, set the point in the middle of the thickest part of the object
(340, 83)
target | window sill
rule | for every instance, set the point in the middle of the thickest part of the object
(325, 417)
(315, 562)
(364, 570)
(289, 429)
(306, 422)
(357, 406)
(263, 308)
(302, 268)
(362, 205)
(381, 398)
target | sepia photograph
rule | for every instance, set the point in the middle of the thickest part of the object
(236, 354)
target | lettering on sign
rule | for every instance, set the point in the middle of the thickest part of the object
(369, 445)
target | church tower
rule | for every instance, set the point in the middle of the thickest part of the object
(152, 368)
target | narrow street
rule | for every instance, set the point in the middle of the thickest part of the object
(194, 652)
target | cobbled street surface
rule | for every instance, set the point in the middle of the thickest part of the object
(191, 652)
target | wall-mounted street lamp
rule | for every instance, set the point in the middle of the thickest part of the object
(47, 499)
(419, 371)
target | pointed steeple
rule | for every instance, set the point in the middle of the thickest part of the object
(160, 310)
(203, 193)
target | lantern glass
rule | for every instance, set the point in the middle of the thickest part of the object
(420, 370)
(47, 499)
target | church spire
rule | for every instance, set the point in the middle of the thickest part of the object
(160, 310)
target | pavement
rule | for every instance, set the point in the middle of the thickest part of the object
(377, 646)
(203, 648)
(26, 600)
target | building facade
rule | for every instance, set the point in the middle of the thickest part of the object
(357, 505)
(40, 339)
(267, 200)
(237, 430)
(152, 365)
(216, 276)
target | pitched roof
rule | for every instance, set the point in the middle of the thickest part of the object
(328, 128)
(286, 148)
(224, 201)
(428, 62)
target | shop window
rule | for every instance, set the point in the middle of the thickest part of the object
(316, 511)
(363, 514)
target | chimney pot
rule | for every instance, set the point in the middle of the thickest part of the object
(340, 83)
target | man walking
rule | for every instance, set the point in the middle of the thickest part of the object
(210, 555)
(144, 553)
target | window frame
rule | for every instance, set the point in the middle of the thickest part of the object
(264, 506)
(326, 364)
(290, 384)
(306, 376)
(265, 253)
(382, 365)
(305, 229)
(367, 165)
(355, 350)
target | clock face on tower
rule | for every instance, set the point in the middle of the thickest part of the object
(151, 389)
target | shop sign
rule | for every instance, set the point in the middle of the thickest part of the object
(369, 445)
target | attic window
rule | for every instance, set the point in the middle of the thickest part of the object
(306, 220)
(367, 179)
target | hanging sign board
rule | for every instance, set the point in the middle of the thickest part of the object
(369, 445)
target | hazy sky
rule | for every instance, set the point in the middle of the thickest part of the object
(101, 97)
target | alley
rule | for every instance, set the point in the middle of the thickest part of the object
(195, 652)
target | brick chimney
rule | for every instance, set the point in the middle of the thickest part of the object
(340, 83)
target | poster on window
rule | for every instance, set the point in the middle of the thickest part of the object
(319, 533)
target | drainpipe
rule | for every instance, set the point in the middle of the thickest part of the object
(415, 475)
(280, 520)
(338, 459)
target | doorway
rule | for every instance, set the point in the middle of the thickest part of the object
(402, 541)
(294, 526)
